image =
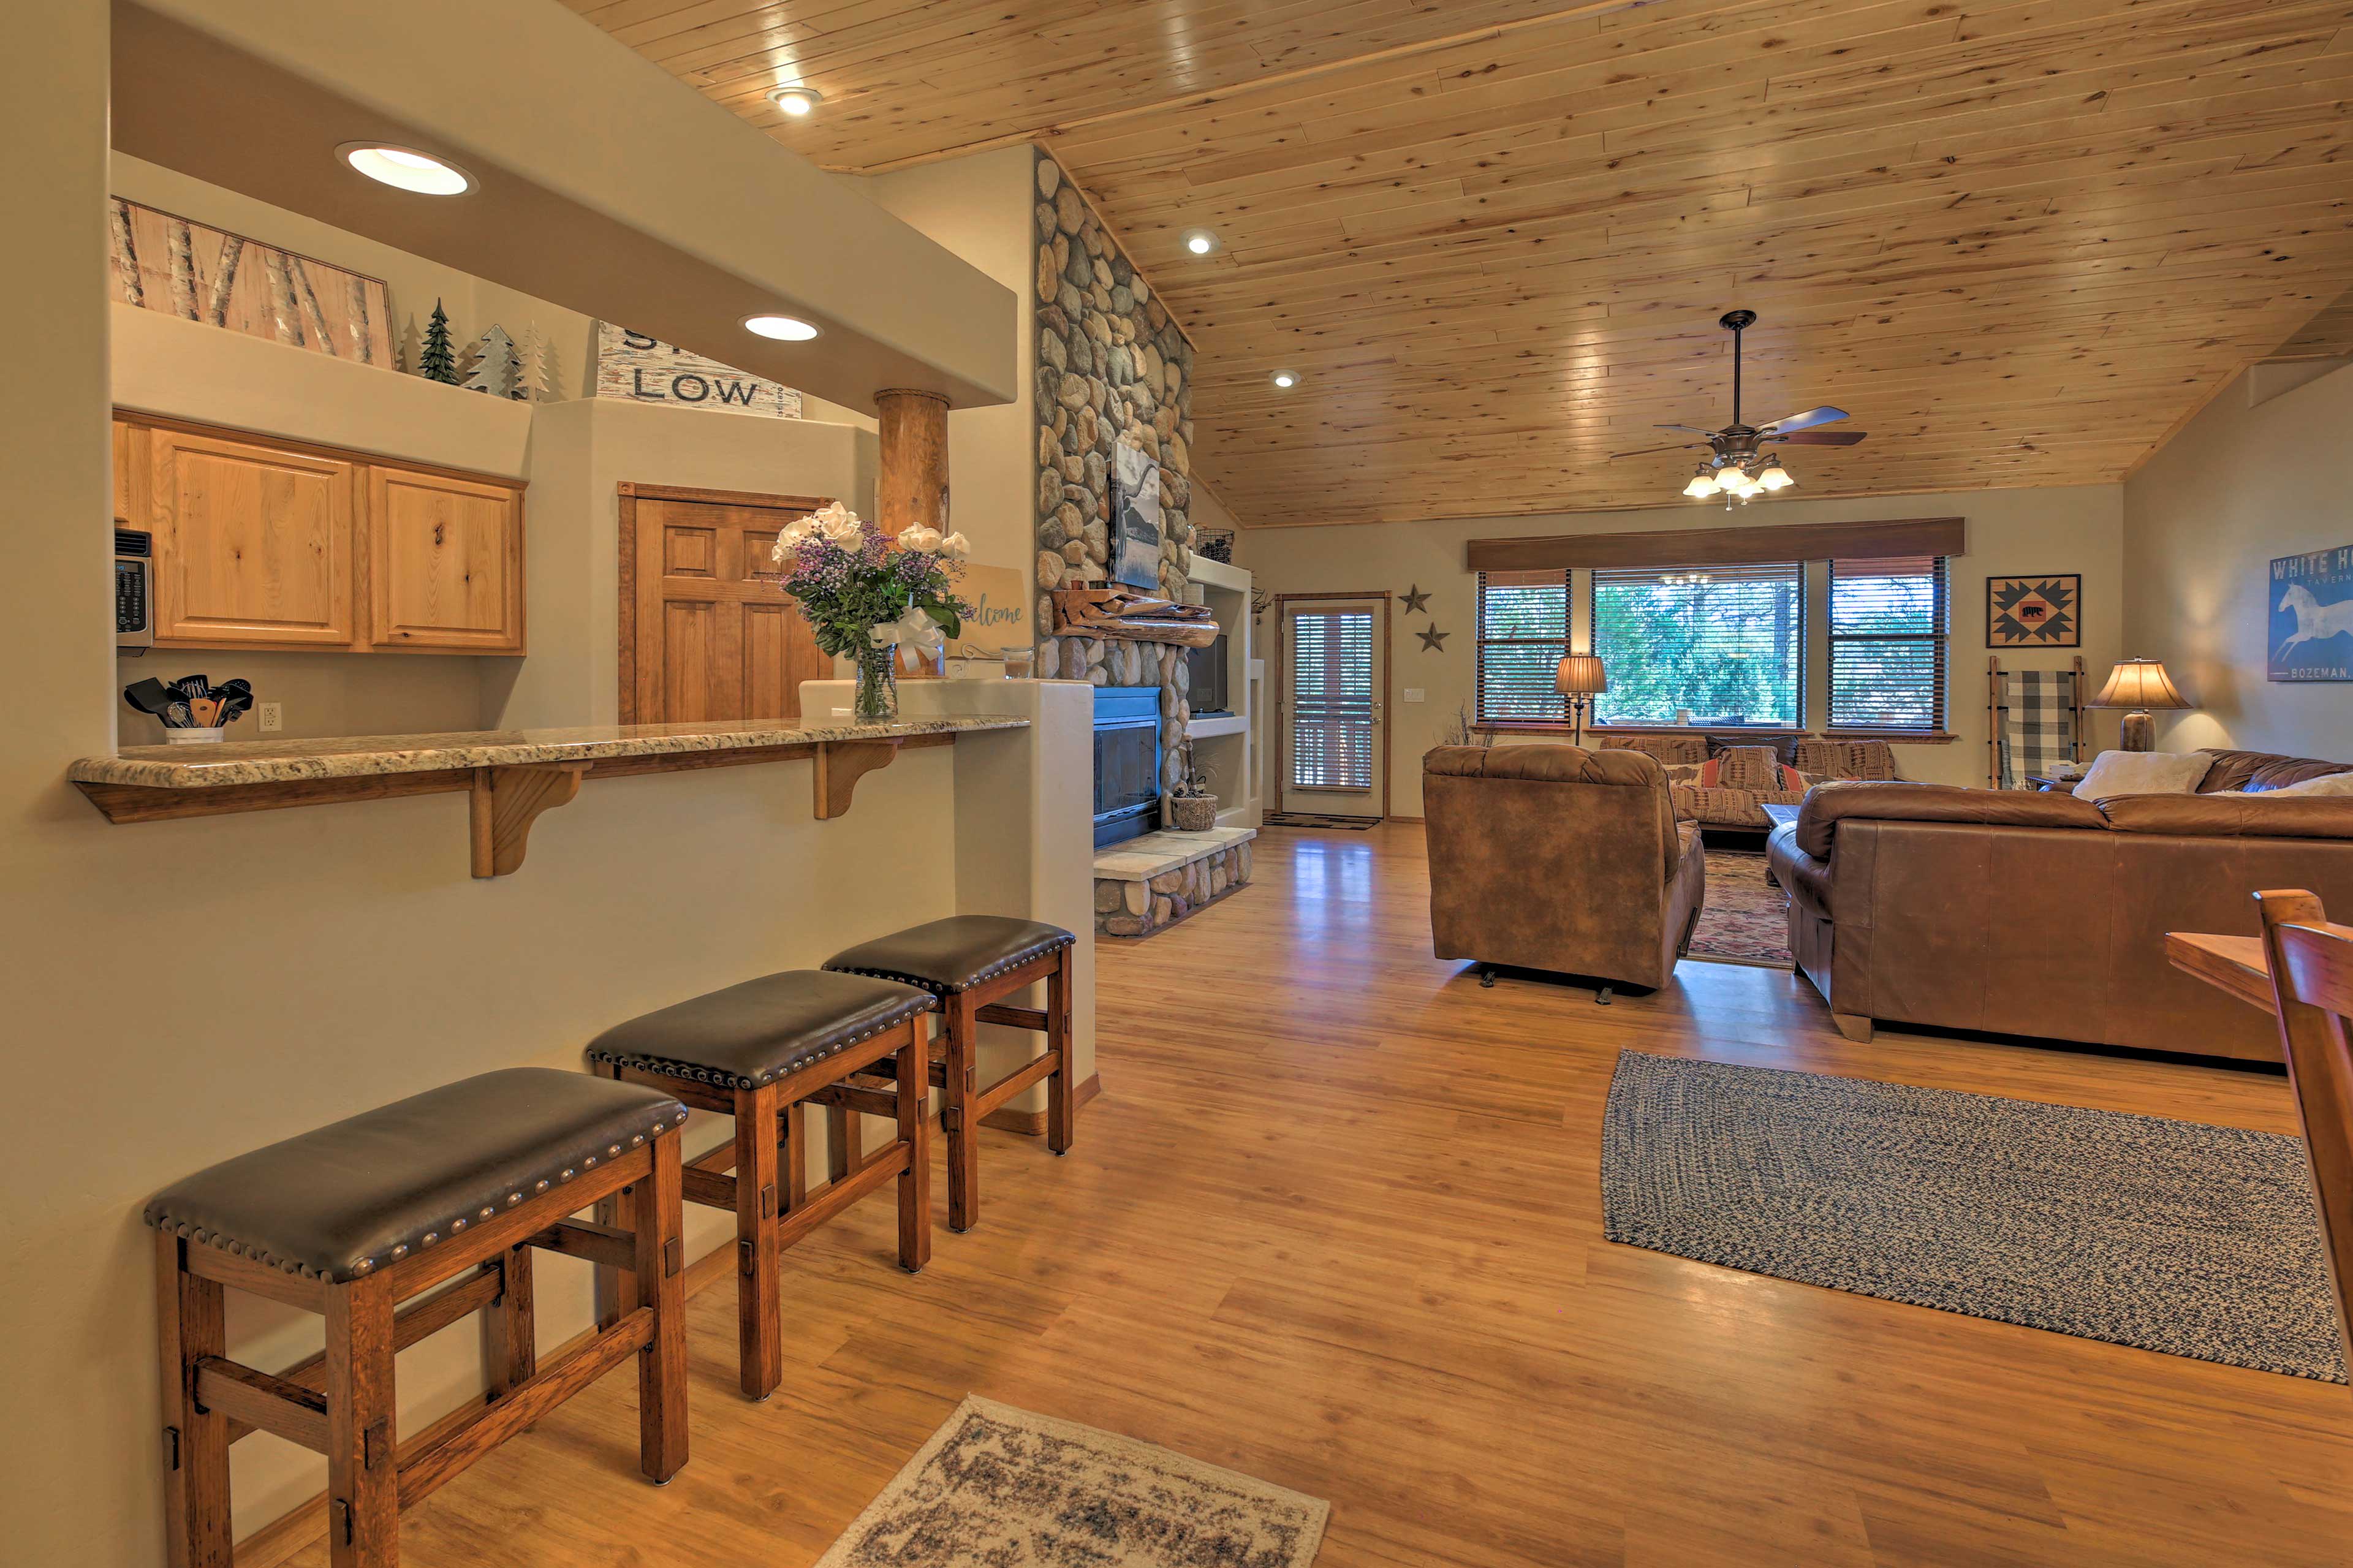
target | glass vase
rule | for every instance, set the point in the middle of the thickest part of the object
(877, 702)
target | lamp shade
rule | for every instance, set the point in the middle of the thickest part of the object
(1581, 675)
(2140, 683)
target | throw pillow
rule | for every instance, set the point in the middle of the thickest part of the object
(2326, 784)
(1748, 767)
(2144, 773)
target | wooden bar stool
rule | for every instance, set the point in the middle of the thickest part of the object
(759, 1052)
(971, 962)
(459, 1183)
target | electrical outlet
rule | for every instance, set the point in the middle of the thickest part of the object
(272, 717)
(1413, 694)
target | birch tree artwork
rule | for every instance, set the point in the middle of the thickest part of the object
(177, 266)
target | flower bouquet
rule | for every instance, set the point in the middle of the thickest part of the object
(865, 594)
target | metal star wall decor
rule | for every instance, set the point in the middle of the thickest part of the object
(1433, 640)
(1415, 599)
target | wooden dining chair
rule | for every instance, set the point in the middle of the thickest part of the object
(2311, 962)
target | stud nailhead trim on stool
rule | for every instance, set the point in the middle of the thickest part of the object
(161, 1219)
(943, 987)
(669, 1067)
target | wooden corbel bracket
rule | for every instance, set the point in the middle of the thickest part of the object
(839, 766)
(507, 801)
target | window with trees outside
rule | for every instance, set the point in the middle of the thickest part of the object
(1888, 640)
(1523, 636)
(1725, 644)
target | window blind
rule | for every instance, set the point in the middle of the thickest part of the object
(1523, 635)
(1331, 665)
(1725, 644)
(1889, 622)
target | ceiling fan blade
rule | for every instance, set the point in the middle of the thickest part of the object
(1806, 421)
(1693, 428)
(1646, 452)
(1820, 439)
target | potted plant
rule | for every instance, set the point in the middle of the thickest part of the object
(1192, 802)
(865, 594)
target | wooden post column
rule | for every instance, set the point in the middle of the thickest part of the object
(911, 484)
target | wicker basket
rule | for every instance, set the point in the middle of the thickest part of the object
(1192, 813)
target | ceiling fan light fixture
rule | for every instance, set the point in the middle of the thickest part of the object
(1703, 485)
(1775, 477)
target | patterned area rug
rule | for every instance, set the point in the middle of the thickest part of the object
(2168, 1235)
(1000, 1488)
(1746, 920)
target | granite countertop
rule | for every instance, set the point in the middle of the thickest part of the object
(361, 756)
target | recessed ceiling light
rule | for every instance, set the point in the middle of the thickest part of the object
(795, 100)
(1286, 378)
(1200, 241)
(407, 169)
(783, 329)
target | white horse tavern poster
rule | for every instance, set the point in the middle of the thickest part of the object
(635, 368)
(2311, 600)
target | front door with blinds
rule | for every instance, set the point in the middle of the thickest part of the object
(1336, 684)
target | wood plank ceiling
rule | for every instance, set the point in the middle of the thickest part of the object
(2020, 242)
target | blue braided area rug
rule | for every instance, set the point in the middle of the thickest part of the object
(2168, 1235)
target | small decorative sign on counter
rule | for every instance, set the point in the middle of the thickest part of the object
(634, 368)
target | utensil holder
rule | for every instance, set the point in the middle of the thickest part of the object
(211, 737)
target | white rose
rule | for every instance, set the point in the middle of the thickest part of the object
(920, 540)
(957, 547)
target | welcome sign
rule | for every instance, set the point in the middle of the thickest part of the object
(999, 598)
(634, 368)
(2311, 601)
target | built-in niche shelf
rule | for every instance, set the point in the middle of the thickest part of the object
(1227, 744)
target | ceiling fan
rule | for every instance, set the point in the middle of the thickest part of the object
(1740, 466)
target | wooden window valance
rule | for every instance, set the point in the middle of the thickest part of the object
(1723, 546)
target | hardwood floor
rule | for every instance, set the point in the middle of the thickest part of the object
(1335, 1222)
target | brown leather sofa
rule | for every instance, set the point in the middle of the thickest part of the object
(1559, 858)
(2019, 913)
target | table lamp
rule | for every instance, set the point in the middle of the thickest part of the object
(1581, 675)
(2138, 685)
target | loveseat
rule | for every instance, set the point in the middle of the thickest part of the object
(2019, 913)
(1723, 781)
(1559, 858)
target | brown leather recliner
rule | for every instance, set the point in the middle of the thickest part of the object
(1559, 858)
(2019, 913)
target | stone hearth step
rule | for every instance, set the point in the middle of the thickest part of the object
(1149, 883)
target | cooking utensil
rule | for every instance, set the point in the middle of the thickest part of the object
(150, 696)
(193, 686)
(178, 716)
(206, 712)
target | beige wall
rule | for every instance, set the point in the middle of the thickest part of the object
(2238, 486)
(2012, 532)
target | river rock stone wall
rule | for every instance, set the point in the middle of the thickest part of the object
(1111, 368)
(1139, 909)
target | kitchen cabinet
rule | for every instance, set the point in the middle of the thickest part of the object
(266, 543)
(445, 563)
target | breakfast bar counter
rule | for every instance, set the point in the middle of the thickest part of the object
(512, 776)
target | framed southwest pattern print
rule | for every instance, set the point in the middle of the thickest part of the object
(2034, 611)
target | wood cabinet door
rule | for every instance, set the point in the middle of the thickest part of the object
(445, 563)
(706, 635)
(253, 544)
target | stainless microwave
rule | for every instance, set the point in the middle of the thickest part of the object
(134, 588)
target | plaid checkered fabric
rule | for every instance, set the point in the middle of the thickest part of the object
(2038, 723)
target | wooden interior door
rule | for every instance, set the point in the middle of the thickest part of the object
(1335, 697)
(253, 544)
(445, 563)
(706, 635)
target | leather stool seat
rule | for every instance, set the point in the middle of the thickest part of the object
(954, 954)
(759, 1031)
(371, 1190)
